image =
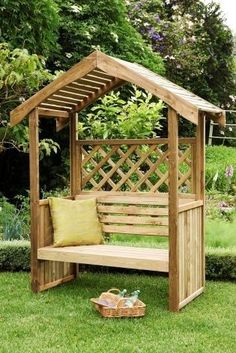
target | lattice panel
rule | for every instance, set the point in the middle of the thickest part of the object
(132, 168)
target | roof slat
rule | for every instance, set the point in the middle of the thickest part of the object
(55, 107)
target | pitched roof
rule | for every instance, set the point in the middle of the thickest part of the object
(96, 75)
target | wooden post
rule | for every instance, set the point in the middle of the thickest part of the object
(74, 165)
(200, 158)
(34, 196)
(75, 180)
(200, 182)
(173, 211)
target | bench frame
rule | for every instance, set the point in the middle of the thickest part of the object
(183, 214)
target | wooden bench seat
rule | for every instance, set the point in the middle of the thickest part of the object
(109, 255)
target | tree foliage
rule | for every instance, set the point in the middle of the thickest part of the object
(103, 25)
(21, 74)
(29, 24)
(194, 42)
(113, 117)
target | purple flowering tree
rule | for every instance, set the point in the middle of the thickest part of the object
(194, 42)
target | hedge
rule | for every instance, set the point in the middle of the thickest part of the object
(220, 263)
(15, 255)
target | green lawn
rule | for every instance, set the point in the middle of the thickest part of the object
(62, 320)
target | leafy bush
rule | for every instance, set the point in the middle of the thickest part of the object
(218, 158)
(221, 264)
(112, 117)
(14, 256)
(29, 24)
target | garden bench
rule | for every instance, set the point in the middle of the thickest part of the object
(120, 215)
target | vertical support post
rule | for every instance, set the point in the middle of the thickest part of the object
(193, 168)
(173, 211)
(34, 195)
(200, 181)
(74, 166)
(74, 171)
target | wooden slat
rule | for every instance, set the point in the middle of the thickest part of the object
(53, 113)
(183, 197)
(93, 96)
(125, 199)
(134, 220)
(68, 95)
(173, 211)
(120, 142)
(128, 229)
(158, 141)
(54, 107)
(190, 206)
(191, 297)
(79, 88)
(109, 255)
(49, 285)
(61, 102)
(133, 210)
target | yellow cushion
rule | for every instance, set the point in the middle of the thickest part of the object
(75, 222)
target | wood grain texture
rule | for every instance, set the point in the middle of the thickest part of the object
(34, 198)
(109, 255)
(173, 211)
(191, 279)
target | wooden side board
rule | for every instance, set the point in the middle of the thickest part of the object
(50, 273)
(191, 255)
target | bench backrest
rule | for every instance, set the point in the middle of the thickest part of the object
(137, 214)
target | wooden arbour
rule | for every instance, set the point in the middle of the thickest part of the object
(140, 193)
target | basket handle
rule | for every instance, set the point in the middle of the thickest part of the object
(113, 290)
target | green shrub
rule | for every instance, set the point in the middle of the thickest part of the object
(221, 264)
(218, 158)
(14, 255)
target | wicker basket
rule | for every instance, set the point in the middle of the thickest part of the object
(111, 305)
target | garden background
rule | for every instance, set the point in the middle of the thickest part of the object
(187, 41)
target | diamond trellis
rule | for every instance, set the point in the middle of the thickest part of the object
(134, 167)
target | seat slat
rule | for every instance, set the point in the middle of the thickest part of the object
(109, 255)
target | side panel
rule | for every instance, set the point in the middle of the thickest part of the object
(191, 255)
(51, 273)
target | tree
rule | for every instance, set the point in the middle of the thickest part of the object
(29, 24)
(21, 74)
(100, 24)
(194, 42)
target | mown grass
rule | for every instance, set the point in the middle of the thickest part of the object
(62, 320)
